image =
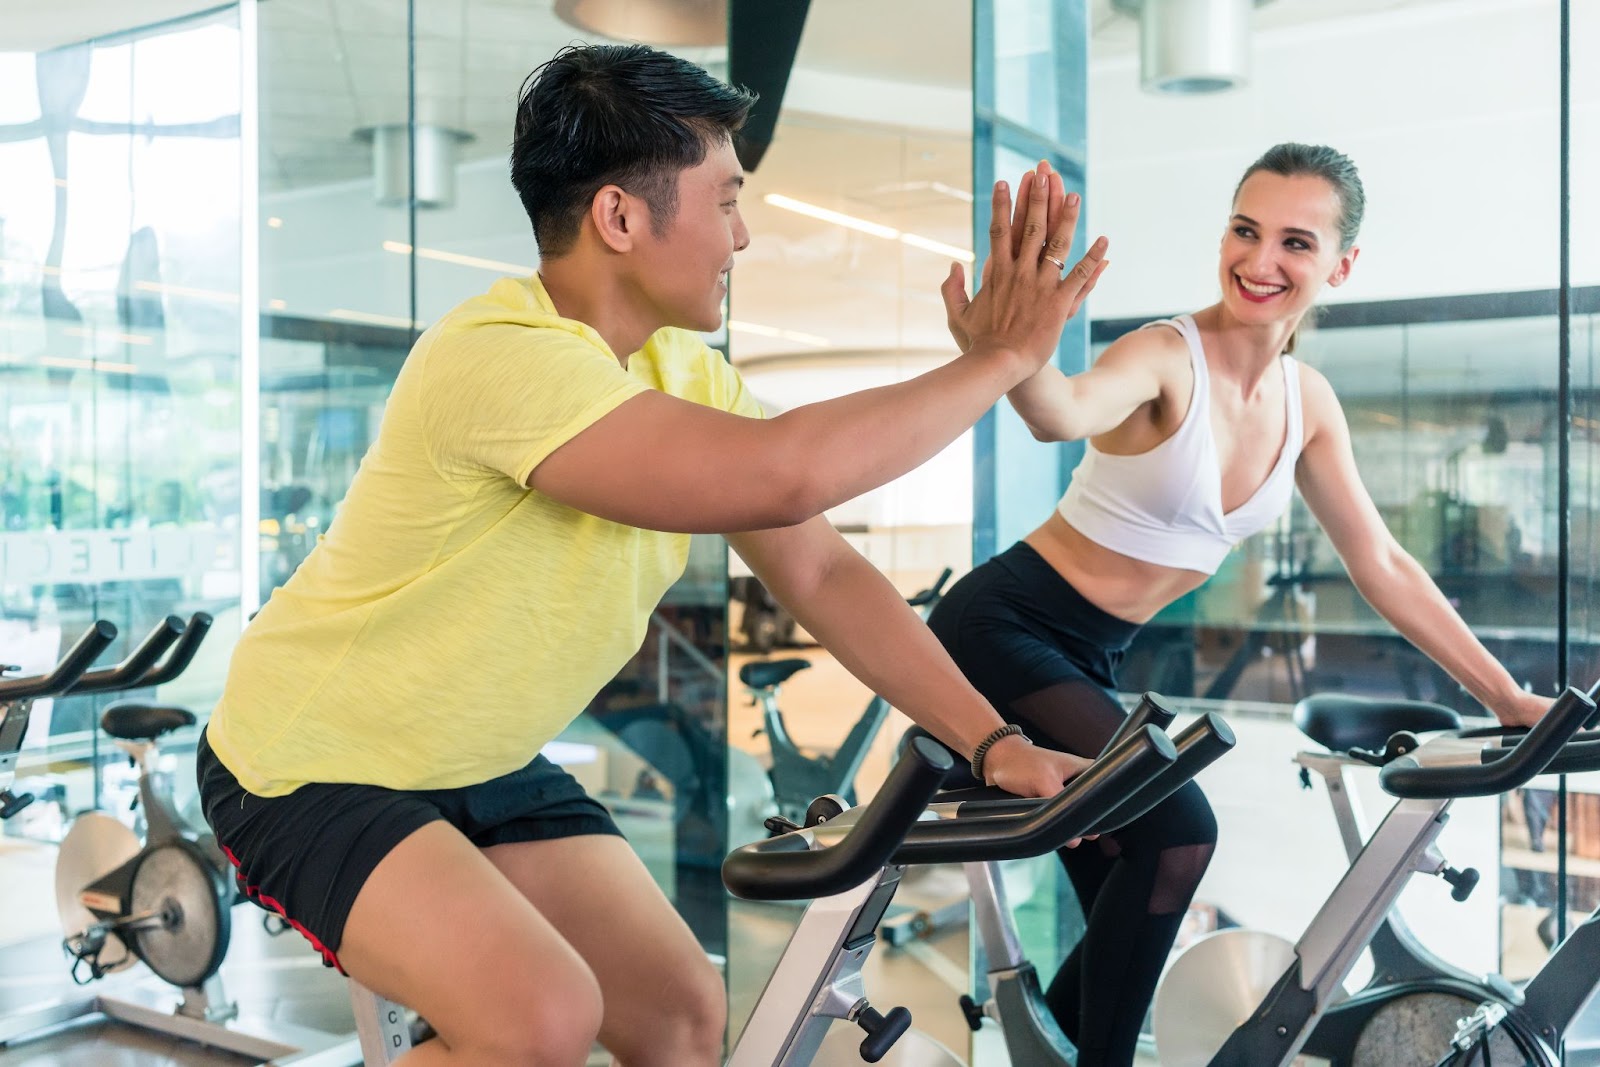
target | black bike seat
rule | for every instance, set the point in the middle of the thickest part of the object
(1339, 723)
(143, 722)
(765, 673)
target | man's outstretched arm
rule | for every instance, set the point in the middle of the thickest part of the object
(844, 602)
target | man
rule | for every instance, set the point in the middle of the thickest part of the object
(372, 766)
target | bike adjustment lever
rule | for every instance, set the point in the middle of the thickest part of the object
(1462, 882)
(882, 1030)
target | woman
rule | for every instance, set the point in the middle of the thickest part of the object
(1197, 429)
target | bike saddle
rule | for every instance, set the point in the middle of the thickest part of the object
(1340, 723)
(129, 721)
(767, 673)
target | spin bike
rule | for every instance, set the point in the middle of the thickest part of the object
(1016, 1000)
(16, 705)
(1416, 1004)
(1202, 1019)
(1531, 1027)
(166, 902)
(848, 862)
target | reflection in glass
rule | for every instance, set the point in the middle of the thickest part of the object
(119, 381)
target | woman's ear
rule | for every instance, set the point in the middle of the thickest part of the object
(1347, 260)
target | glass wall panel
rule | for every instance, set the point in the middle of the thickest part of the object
(1445, 364)
(120, 442)
(1535, 823)
(353, 268)
(335, 293)
(856, 212)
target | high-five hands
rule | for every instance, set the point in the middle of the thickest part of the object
(1023, 300)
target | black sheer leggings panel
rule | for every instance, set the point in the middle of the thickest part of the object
(1134, 885)
(1045, 657)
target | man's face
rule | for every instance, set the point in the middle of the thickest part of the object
(683, 272)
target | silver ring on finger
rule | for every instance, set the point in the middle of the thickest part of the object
(1059, 265)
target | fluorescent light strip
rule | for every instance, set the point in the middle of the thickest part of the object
(110, 335)
(938, 247)
(498, 266)
(12, 360)
(949, 190)
(876, 229)
(369, 317)
(87, 364)
(772, 331)
(40, 267)
(838, 218)
(183, 290)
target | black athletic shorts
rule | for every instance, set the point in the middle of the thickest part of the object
(306, 855)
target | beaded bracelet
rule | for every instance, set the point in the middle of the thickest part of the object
(1010, 729)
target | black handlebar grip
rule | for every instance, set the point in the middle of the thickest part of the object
(1575, 757)
(95, 640)
(1542, 744)
(1199, 745)
(786, 868)
(194, 632)
(1087, 799)
(125, 675)
(1149, 711)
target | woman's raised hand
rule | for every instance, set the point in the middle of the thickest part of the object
(1023, 300)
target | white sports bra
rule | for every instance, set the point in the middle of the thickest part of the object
(1165, 505)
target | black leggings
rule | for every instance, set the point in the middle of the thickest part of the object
(1046, 659)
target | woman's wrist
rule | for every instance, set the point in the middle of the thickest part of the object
(1008, 362)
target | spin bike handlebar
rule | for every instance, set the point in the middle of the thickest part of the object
(1104, 786)
(785, 867)
(194, 632)
(1199, 745)
(131, 671)
(1498, 770)
(94, 641)
(1578, 755)
(890, 830)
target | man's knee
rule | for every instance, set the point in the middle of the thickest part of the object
(701, 1007)
(539, 1021)
(683, 1024)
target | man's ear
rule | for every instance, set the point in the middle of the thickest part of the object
(617, 217)
(1342, 271)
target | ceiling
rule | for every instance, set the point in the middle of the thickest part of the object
(329, 68)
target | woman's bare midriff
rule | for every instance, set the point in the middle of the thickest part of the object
(1119, 585)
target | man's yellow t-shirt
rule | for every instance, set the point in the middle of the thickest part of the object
(452, 621)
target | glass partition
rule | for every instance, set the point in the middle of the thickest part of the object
(856, 212)
(120, 442)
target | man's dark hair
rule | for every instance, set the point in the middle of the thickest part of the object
(625, 115)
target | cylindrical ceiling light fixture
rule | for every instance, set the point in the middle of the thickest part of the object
(436, 163)
(666, 23)
(1192, 46)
